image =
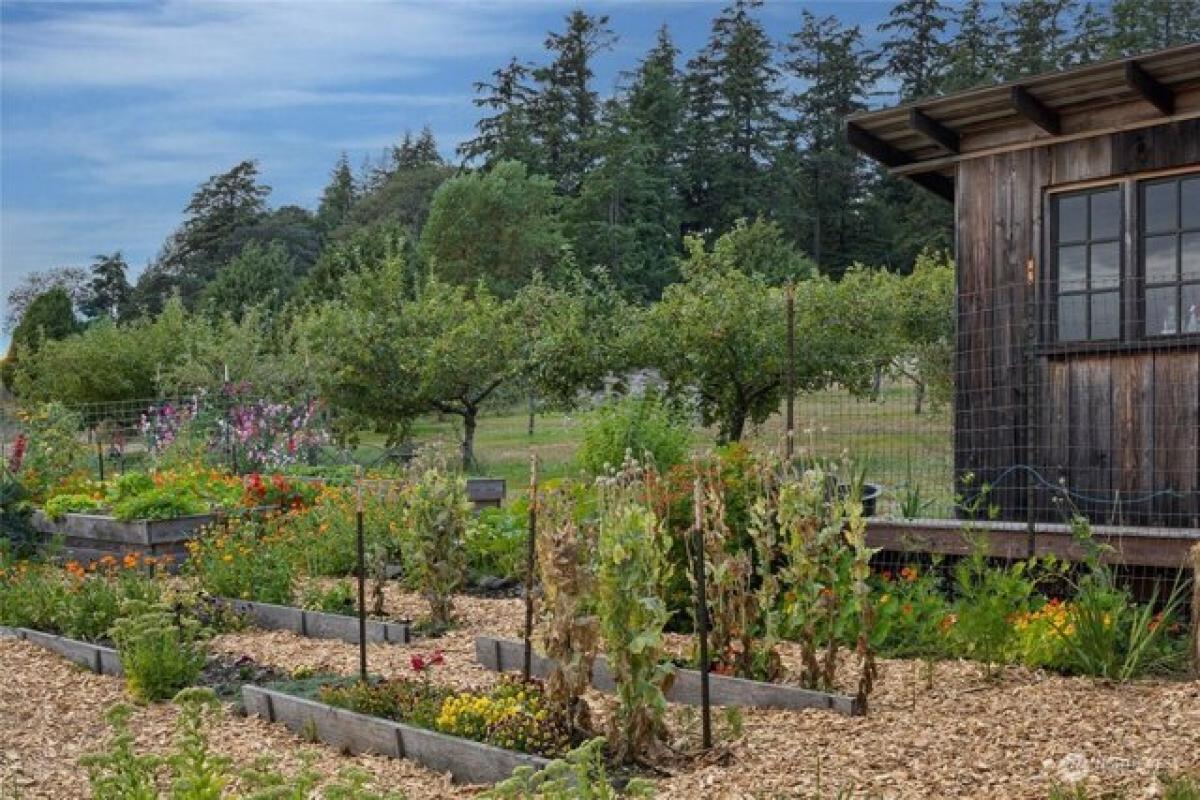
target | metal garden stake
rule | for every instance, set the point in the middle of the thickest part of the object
(702, 612)
(362, 585)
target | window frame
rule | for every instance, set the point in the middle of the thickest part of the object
(1177, 230)
(1132, 283)
(1054, 294)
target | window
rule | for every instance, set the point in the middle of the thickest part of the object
(1170, 239)
(1087, 258)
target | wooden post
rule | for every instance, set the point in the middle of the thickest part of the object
(362, 584)
(1196, 608)
(530, 558)
(790, 445)
(701, 612)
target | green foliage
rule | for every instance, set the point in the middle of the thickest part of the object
(336, 599)
(643, 427)
(241, 562)
(630, 569)
(579, 775)
(161, 502)
(93, 603)
(119, 772)
(53, 451)
(32, 595)
(495, 541)
(161, 652)
(18, 537)
(436, 514)
(50, 317)
(988, 598)
(497, 227)
(913, 614)
(258, 276)
(62, 504)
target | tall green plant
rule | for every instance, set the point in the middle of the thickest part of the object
(436, 512)
(631, 567)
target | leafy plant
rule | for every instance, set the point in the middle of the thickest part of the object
(436, 512)
(120, 772)
(163, 502)
(643, 427)
(242, 561)
(62, 504)
(580, 775)
(160, 652)
(631, 565)
(913, 614)
(495, 541)
(53, 450)
(988, 598)
(336, 599)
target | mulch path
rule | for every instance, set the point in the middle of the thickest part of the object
(958, 735)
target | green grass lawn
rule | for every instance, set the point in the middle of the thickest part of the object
(901, 448)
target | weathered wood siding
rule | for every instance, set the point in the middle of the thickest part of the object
(1124, 422)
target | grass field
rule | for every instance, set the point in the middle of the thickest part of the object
(902, 449)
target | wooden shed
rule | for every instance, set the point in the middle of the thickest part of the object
(1077, 217)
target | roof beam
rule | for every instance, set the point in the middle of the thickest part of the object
(891, 156)
(876, 148)
(1150, 88)
(931, 129)
(1036, 111)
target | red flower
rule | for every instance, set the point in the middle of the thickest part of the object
(17, 456)
(417, 662)
(437, 658)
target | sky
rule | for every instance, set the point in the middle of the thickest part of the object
(112, 113)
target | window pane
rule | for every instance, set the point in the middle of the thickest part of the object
(1072, 218)
(1191, 308)
(1189, 255)
(1106, 267)
(1190, 191)
(1160, 207)
(1106, 215)
(1072, 317)
(1161, 312)
(1160, 259)
(1072, 268)
(1106, 315)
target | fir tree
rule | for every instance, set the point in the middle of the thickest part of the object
(916, 54)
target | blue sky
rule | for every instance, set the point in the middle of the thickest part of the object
(112, 113)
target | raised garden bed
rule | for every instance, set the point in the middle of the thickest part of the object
(317, 624)
(91, 536)
(465, 760)
(508, 655)
(97, 658)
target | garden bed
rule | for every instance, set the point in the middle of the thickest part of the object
(467, 761)
(507, 655)
(317, 624)
(99, 659)
(89, 537)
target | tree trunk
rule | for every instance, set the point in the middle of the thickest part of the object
(877, 383)
(468, 441)
(919, 399)
(737, 426)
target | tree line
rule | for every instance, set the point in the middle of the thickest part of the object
(733, 157)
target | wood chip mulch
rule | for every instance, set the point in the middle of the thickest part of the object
(958, 736)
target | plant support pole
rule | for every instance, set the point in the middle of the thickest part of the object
(362, 585)
(530, 556)
(100, 458)
(791, 371)
(702, 613)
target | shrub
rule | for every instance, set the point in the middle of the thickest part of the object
(53, 451)
(32, 595)
(242, 561)
(93, 601)
(495, 543)
(436, 512)
(581, 773)
(164, 502)
(913, 614)
(320, 540)
(643, 427)
(989, 598)
(160, 652)
(61, 504)
(630, 567)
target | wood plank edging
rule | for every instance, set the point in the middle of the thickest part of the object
(97, 658)
(502, 655)
(467, 761)
(317, 624)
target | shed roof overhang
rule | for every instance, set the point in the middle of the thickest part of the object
(923, 140)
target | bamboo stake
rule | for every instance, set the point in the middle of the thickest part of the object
(530, 557)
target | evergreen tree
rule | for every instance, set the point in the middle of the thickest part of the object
(916, 53)
(50, 316)
(564, 111)
(1141, 25)
(825, 174)
(1035, 35)
(972, 56)
(700, 146)
(740, 120)
(338, 196)
(259, 276)
(506, 135)
(1092, 35)
(109, 290)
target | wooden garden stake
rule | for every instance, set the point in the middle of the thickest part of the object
(702, 613)
(362, 584)
(1196, 608)
(791, 371)
(530, 555)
